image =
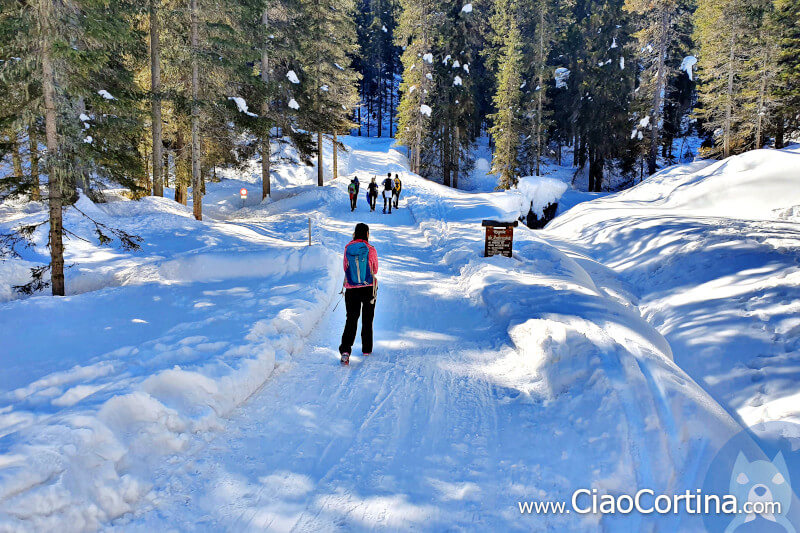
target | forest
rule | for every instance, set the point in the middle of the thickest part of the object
(164, 93)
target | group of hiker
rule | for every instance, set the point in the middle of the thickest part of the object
(391, 192)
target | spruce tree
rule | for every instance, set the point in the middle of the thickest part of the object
(786, 116)
(722, 30)
(659, 23)
(414, 36)
(327, 80)
(506, 121)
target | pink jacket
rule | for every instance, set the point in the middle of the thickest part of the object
(373, 262)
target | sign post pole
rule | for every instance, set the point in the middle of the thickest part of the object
(243, 194)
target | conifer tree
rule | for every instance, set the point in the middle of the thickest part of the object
(542, 33)
(659, 23)
(414, 112)
(506, 122)
(328, 82)
(80, 65)
(786, 117)
(722, 29)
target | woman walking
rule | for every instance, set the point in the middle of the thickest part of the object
(361, 289)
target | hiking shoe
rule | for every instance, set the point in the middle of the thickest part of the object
(345, 359)
(366, 354)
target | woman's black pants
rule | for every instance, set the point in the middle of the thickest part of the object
(357, 302)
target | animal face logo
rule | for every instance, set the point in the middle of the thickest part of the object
(766, 487)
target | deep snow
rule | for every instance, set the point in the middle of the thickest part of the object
(195, 385)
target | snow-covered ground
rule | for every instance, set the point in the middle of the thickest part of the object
(196, 384)
(710, 252)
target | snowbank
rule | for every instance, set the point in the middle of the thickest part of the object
(152, 349)
(711, 249)
(754, 185)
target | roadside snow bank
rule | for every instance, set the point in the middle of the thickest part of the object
(114, 422)
(147, 355)
(754, 185)
(712, 250)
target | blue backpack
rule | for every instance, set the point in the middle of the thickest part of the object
(358, 272)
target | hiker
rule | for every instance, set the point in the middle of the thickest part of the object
(398, 186)
(352, 190)
(387, 189)
(372, 194)
(361, 289)
(358, 184)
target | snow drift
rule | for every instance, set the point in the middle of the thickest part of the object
(711, 250)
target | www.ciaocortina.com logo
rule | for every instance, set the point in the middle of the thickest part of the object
(760, 468)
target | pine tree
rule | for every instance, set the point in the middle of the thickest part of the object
(506, 123)
(786, 116)
(78, 66)
(413, 113)
(328, 81)
(659, 23)
(722, 29)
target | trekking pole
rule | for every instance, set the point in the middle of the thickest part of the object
(341, 295)
(309, 231)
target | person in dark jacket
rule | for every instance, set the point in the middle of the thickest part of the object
(360, 267)
(387, 192)
(372, 194)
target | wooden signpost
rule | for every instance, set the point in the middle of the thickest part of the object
(499, 237)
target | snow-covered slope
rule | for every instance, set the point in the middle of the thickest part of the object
(712, 253)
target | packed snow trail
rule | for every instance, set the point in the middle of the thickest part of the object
(493, 381)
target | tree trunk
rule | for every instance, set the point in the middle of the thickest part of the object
(319, 159)
(726, 139)
(760, 112)
(16, 158)
(266, 148)
(595, 172)
(54, 176)
(576, 147)
(33, 141)
(391, 103)
(197, 185)
(155, 88)
(335, 158)
(445, 150)
(181, 178)
(380, 101)
(456, 156)
(661, 75)
(166, 168)
(780, 131)
(540, 92)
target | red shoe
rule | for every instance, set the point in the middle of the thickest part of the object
(366, 354)
(345, 359)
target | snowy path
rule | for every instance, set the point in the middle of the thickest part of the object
(450, 423)
(195, 385)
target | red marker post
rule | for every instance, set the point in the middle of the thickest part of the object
(243, 194)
